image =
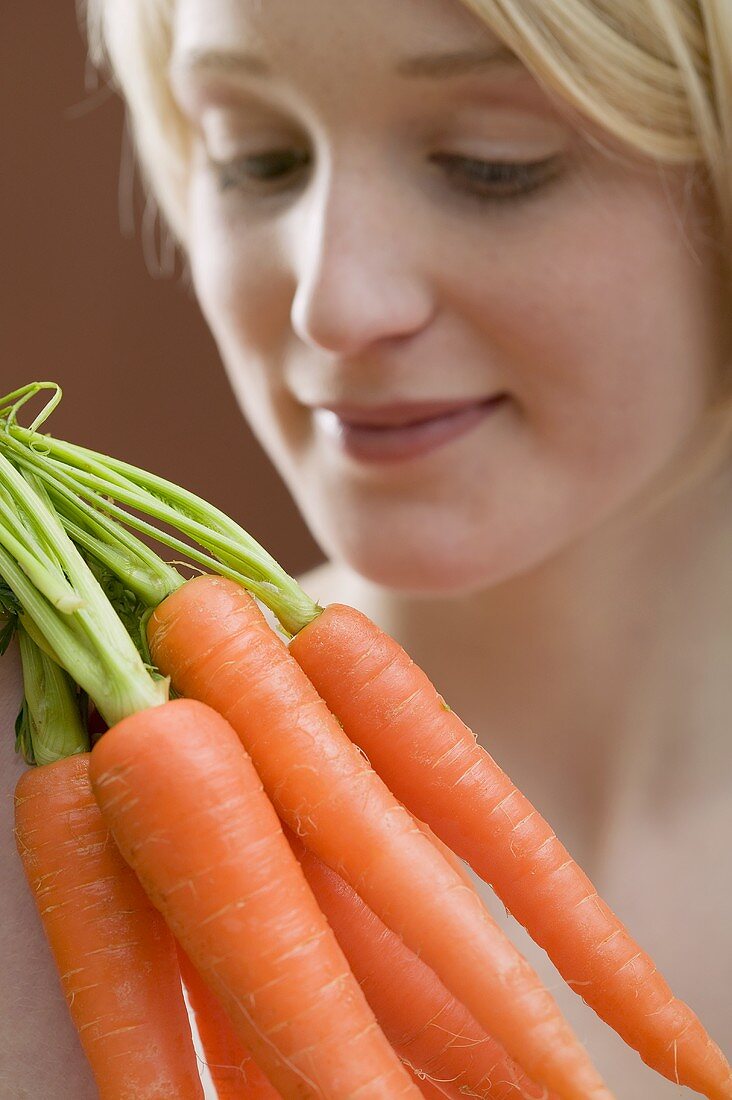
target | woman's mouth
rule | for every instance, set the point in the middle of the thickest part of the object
(392, 433)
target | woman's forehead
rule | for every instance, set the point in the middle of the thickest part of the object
(344, 56)
(392, 29)
(343, 52)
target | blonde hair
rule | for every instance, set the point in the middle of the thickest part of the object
(655, 74)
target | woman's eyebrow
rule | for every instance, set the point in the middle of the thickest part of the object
(434, 66)
(457, 63)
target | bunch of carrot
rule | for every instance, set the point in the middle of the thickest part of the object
(330, 942)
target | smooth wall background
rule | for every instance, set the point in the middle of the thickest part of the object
(79, 305)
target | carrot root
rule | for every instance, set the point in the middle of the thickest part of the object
(432, 762)
(214, 642)
(188, 812)
(430, 1030)
(116, 958)
(234, 1072)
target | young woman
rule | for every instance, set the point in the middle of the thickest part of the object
(467, 265)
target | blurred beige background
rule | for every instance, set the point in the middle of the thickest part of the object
(140, 372)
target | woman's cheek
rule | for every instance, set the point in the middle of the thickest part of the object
(245, 298)
(234, 270)
(608, 337)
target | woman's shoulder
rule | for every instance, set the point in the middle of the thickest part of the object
(11, 696)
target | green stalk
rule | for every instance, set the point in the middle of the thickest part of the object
(144, 573)
(59, 475)
(10, 404)
(90, 642)
(102, 480)
(25, 541)
(50, 725)
(36, 636)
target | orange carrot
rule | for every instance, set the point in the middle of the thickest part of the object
(432, 762)
(430, 1031)
(448, 853)
(233, 1070)
(188, 812)
(116, 958)
(214, 642)
(433, 1092)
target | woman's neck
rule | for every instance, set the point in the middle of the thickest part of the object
(601, 657)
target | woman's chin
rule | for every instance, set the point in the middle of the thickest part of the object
(424, 571)
(445, 544)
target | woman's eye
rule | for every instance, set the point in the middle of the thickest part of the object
(260, 173)
(495, 180)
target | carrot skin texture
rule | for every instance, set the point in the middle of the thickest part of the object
(417, 1015)
(216, 645)
(188, 812)
(429, 1029)
(116, 958)
(430, 1090)
(432, 762)
(234, 1072)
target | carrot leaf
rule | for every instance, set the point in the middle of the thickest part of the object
(88, 488)
(81, 631)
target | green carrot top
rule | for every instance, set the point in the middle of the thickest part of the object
(88, 488)
(79, 585)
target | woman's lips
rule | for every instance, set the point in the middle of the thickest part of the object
(397, 432)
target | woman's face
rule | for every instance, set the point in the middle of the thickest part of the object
(463, 333)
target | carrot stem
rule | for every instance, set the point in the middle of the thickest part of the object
(49, 725)
(104, 481)
(29, 542)
(84, 633)
(143, 571)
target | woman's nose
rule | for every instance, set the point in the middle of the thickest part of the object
(357, 269)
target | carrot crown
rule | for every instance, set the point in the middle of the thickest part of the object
(65, 615)
(51, 724)
(91, 490)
